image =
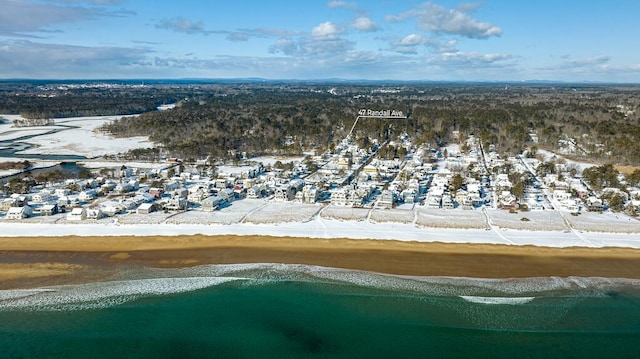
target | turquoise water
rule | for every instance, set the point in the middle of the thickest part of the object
(282, 311)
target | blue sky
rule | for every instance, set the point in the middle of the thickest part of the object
(491, 40)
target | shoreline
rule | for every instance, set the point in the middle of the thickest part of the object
(45, 261)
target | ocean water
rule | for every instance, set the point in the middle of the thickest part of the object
(294, 311)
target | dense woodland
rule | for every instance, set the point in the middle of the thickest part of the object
(229, 120)
(35, 100)
(601, 122)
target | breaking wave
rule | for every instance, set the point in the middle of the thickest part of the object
(102, 294)
(497, 300)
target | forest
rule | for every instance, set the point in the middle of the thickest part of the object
(227, 120)
(597, 123)
(37, 100)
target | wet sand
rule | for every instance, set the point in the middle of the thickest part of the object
(33, 262)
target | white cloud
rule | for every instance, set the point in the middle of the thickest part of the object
(364, 24)
(269, 32)
(471, 60)
(38, 60)
(438, 19)
(361, 57)
(338, 4)
(237, 37)
(286, 46)
(326, 30)
(181, 24)
(28, 18)
(593, 61)
(412, 40)
(408, 44)
(580, 65)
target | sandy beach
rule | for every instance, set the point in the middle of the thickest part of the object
(29, 262)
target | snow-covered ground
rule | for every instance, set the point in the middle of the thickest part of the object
(604, 222)
(397, 215)
(291, 223)
(345, 213)
(450, 218)
(283, 212)
(533, 221)
(81, 140)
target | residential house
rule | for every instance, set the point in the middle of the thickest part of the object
(309, 194)
(594, 204)
(255, 192)
(386, 200)
(283, 193)
(507, 201)
(87, 195)
(447, 202)
(340, 197)
(49, 209)
(146, 208)
(227, 194)
(61, 192)
(212, 203)
(77, 214)
(176, 203)
(156, 192)
(20, 212)
(197, 194)
(41, 197)
(95, 213)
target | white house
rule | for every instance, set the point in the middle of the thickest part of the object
(40, 197)
(77, 214)
(19, 212)
(146, 208)
(210, 204)
(49, 209)
(87, 195)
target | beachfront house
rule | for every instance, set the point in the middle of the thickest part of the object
(255, 192)
(386, 200)
(146, 208)
(283, 193)
(77, 214)
(95, 213)
(49, 209)
(212, 203)
(20, 212)
(176, 203)
(594, 204)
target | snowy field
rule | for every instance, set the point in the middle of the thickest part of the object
(343, 213)
(319, 227)
(151, 218)
(233, 214)
(537, 220)
(604, 222)
(450, 218)
(397, 215)
(81, 140)
(283, 212)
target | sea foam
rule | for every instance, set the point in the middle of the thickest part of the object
(153, 281)
(102, 294)
(497, 300)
